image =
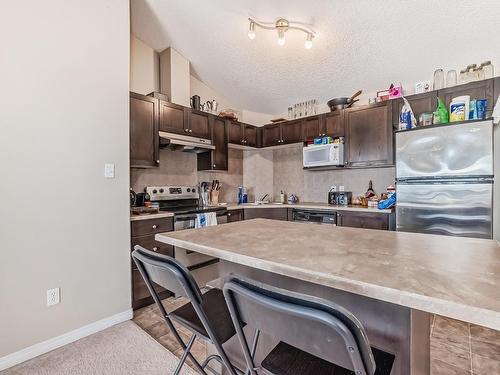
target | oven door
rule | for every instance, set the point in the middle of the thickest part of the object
(192, 259)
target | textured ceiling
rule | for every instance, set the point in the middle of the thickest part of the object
(363, 44)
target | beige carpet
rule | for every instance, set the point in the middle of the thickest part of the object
(122, 349)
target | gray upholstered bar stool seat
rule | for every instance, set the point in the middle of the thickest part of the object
(206, 315)
(317, 337)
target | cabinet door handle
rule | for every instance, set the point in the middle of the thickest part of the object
(157, 161)
(186, 130)
(229, 214)
(215, 165)
(155, 248)
(154, 226)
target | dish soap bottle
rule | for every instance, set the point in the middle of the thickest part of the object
(282, 197)
(440, 114)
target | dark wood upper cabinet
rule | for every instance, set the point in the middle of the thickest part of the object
(174, 118)
(334, 124)
(250, 135)
(271, 135)
(419, 103)
(313, 127)
(218, 158)
(144, 140)
(235, 132)
(476, 90)
(291, 132)
(369, 135)
(199, 124)
(365, 220)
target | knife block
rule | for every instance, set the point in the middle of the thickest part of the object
(214, 197)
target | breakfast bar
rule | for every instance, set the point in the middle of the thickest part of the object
(392, 281)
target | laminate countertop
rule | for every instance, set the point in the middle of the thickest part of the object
(158, 215)
(450, 276)
(309, 205)
(234, 206)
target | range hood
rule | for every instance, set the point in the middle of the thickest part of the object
(184, 143)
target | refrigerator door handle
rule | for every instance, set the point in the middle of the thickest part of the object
(446, 181)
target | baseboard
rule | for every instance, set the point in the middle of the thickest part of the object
(66, 338)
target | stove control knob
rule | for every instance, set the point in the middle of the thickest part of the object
(155, 191)
(161, 190)
(188, 190)
(194, 190)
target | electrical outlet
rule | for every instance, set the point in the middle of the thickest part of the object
(341, 188)
(53, 296)
(109, 170)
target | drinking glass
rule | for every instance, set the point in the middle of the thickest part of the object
(451, 78)
(438, 79)
(290, 113)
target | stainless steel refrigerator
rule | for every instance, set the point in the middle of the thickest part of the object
(444, 177)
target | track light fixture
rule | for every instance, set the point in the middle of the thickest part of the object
(281, 26)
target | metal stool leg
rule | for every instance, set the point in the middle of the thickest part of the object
(185, 354)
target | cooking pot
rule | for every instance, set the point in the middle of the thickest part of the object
(342, 103)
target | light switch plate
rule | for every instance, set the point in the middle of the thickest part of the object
(109, 170)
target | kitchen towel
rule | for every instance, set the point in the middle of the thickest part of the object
(207, 219)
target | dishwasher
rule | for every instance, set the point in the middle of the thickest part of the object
(315, 216)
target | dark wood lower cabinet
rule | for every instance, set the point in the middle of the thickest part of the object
(234, 215)
(266, 213)
(367, 220)
(143, 234)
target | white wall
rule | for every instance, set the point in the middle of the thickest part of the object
(144, 67)
(64, 72)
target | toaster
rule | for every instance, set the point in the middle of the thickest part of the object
(340, 198)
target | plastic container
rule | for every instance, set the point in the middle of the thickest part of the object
(459, 108)
(488, 70)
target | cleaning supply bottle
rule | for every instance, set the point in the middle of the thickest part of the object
(440, 114)
(282, 197)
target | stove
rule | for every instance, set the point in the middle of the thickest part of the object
(184, 203)
(180, 200)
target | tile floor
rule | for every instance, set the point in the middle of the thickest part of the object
(457, 348)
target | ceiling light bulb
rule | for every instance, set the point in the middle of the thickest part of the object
(281, 37)
(308, 43)
(251, 31)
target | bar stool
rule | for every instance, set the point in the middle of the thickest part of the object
(206, 315)
(317, 337)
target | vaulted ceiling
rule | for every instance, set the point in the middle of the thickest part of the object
(363, 44)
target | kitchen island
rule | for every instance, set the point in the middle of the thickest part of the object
(392, 281)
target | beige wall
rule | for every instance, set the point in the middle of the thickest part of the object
(64, 115)
(144, 67)
(207, 93)
(174, 76)
(496, 186)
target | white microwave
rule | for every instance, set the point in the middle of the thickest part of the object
(323, 155)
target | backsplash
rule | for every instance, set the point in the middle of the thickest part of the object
(263, 171)
(180, 168)
(313, 186)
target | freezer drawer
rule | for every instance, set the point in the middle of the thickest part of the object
(452, 209)
(454, 150)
